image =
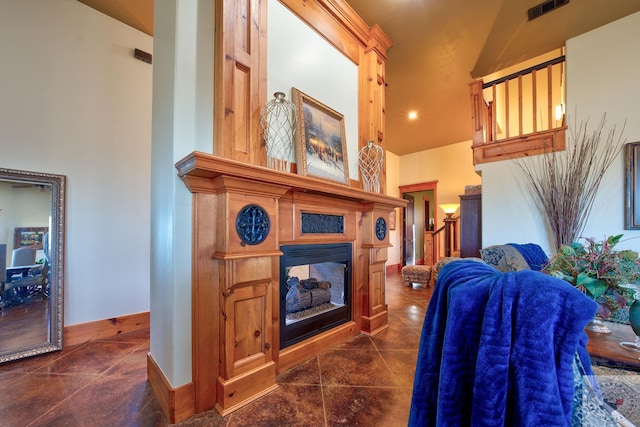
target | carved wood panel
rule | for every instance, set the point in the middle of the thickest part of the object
(376, 288)
(248, 328)
(240, 83)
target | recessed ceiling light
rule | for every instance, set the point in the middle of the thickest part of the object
(413, 115)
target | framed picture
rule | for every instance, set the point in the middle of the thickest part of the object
(632, 187)
(32, 237)
(321, 147)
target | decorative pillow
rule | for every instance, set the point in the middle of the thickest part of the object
(504, 258)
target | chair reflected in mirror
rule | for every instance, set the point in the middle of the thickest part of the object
(31, 285)
(23, 256)
(24, 280)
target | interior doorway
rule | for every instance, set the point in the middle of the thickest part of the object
(419, 216)
(408, 237)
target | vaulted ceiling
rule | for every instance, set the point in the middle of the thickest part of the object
(439, 46)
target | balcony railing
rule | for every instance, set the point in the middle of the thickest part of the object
(516, 115)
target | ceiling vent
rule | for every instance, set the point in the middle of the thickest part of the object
(545, 7)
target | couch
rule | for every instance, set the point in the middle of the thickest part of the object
(508, 257)
(505, 348)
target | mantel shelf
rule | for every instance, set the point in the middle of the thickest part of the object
(197, 166)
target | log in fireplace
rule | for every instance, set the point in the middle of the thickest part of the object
(315, 290)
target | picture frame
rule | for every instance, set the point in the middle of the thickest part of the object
(632, 186)
(321, 146)
(32, 237)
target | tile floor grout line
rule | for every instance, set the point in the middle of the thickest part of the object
(51, 408)
(324, 405)
(406, 307)
(393, 374)
(362, 386)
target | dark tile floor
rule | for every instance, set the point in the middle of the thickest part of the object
(366, 381)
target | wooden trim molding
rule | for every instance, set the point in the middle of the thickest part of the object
(393, 268)
(521, 146)
(177, 403)
(106, 328)
(196, 166)
(422, 186)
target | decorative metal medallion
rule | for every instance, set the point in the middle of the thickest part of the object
(252, 224)
(381, 228)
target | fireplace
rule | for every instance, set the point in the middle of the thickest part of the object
(240, 343)
(315, 290)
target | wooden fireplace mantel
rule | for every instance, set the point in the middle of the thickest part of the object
(235, 307)
(198, 169)
(236, 352)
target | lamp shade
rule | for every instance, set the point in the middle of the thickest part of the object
(449, 208)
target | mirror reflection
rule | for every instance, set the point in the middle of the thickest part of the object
(31, 242)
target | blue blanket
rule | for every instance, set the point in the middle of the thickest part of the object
(497, 349)
(533, 254)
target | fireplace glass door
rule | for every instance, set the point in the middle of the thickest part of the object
(315, 290)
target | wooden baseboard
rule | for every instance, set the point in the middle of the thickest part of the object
(177, 403)
(236, 392)
(300, 352)
(393, 268)
(101, 329)
(376, 323)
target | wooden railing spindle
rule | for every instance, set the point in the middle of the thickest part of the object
(542, 137)
(549, 97)
(506, 109)
(534, 91)
(519, 105)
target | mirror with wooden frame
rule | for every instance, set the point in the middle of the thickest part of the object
(32, 211)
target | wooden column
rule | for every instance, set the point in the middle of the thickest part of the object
(233, 332)
(204, 295)
(477, 111)
(430, 248)
(375, 241)
(245, 283)
(372, 93)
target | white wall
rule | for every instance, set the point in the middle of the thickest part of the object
(299, 57)
(394, 253)
(74, 101)
(182, 123)
(451, 166)
(601, 77)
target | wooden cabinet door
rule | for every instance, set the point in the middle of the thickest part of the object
(247, 328)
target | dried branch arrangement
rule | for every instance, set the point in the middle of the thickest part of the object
(566, 183)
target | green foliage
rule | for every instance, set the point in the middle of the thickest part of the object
(597, 269)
